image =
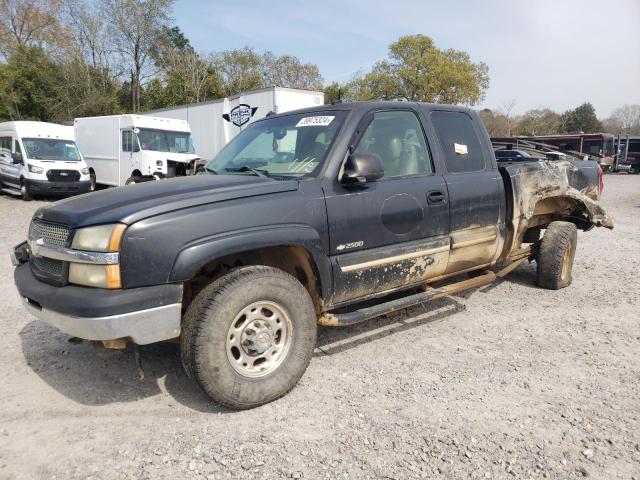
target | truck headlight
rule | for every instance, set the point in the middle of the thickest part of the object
(35, 169)
(85, 171)
(100, 276)
(101, 238)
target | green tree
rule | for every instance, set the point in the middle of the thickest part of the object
(334, 91)
(418, 71)
(239, 70)
(187, 77)
(32, 80)
(581, 119)
(288, 71)
(496, 123)
(541, 121)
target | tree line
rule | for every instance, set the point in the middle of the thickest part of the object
(63, 59)
(70, 58)
(544, 121)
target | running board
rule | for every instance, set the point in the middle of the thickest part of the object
(329, 319)
(11, 191)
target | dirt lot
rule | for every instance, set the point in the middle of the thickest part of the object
(510, 381)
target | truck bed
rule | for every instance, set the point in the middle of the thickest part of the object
(540, 189)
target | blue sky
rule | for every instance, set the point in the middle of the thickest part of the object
(542, 53)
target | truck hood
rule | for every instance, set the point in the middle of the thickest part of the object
(134, 202)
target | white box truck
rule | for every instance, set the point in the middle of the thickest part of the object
(40, 158)
(126, 149)
(216, 122)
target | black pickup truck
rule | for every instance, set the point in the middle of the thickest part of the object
(330, 215)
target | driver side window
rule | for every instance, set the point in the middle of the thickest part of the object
(397, 138)
(127, 141)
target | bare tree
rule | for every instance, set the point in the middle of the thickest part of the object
(625, 119)
(508, 107)
(135, 26)
(27, 23)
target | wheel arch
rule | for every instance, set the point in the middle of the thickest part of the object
(579, 209)
(295, 250)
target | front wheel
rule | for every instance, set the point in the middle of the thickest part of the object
(555, 255)
(634, 169)
(24, 192)
(248, 337)
(92, 181)
(132, 180)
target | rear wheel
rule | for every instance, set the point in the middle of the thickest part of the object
(248, 337)
(555, 255)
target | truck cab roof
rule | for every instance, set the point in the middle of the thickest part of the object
(32, 129)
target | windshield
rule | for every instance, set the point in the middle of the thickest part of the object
(289, 146)
(164, 141)
(51, 149)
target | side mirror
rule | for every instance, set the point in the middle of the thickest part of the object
(362, 168)
(16, 157)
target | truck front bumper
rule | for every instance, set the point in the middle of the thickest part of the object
(45, 187)
(144, 315)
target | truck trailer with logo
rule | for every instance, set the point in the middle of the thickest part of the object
(215, 123)
(128, 149)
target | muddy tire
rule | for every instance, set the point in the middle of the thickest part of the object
(555, 256)
(248, 337)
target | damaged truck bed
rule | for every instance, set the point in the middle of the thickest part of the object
(330, 215)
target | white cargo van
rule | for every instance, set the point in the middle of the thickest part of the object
(39, 158)
(126, 149)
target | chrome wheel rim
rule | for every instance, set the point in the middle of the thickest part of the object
(259, 339)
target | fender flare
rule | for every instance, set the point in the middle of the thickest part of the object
(195, 255)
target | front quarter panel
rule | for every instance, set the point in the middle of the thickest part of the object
(172, 247)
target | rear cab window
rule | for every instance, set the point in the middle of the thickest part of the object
(462, 148)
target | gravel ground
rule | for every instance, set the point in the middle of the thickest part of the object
(509, 381)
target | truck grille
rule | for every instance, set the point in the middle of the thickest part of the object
(49, 266)
(63, 175)
(52, 233)
(46, 269)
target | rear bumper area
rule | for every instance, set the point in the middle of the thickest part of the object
(43, 187)
(145, 314)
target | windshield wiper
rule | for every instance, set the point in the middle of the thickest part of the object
(247, 168)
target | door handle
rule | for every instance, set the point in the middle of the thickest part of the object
(435, 197)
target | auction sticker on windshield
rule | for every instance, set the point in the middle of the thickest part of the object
(317, 121)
